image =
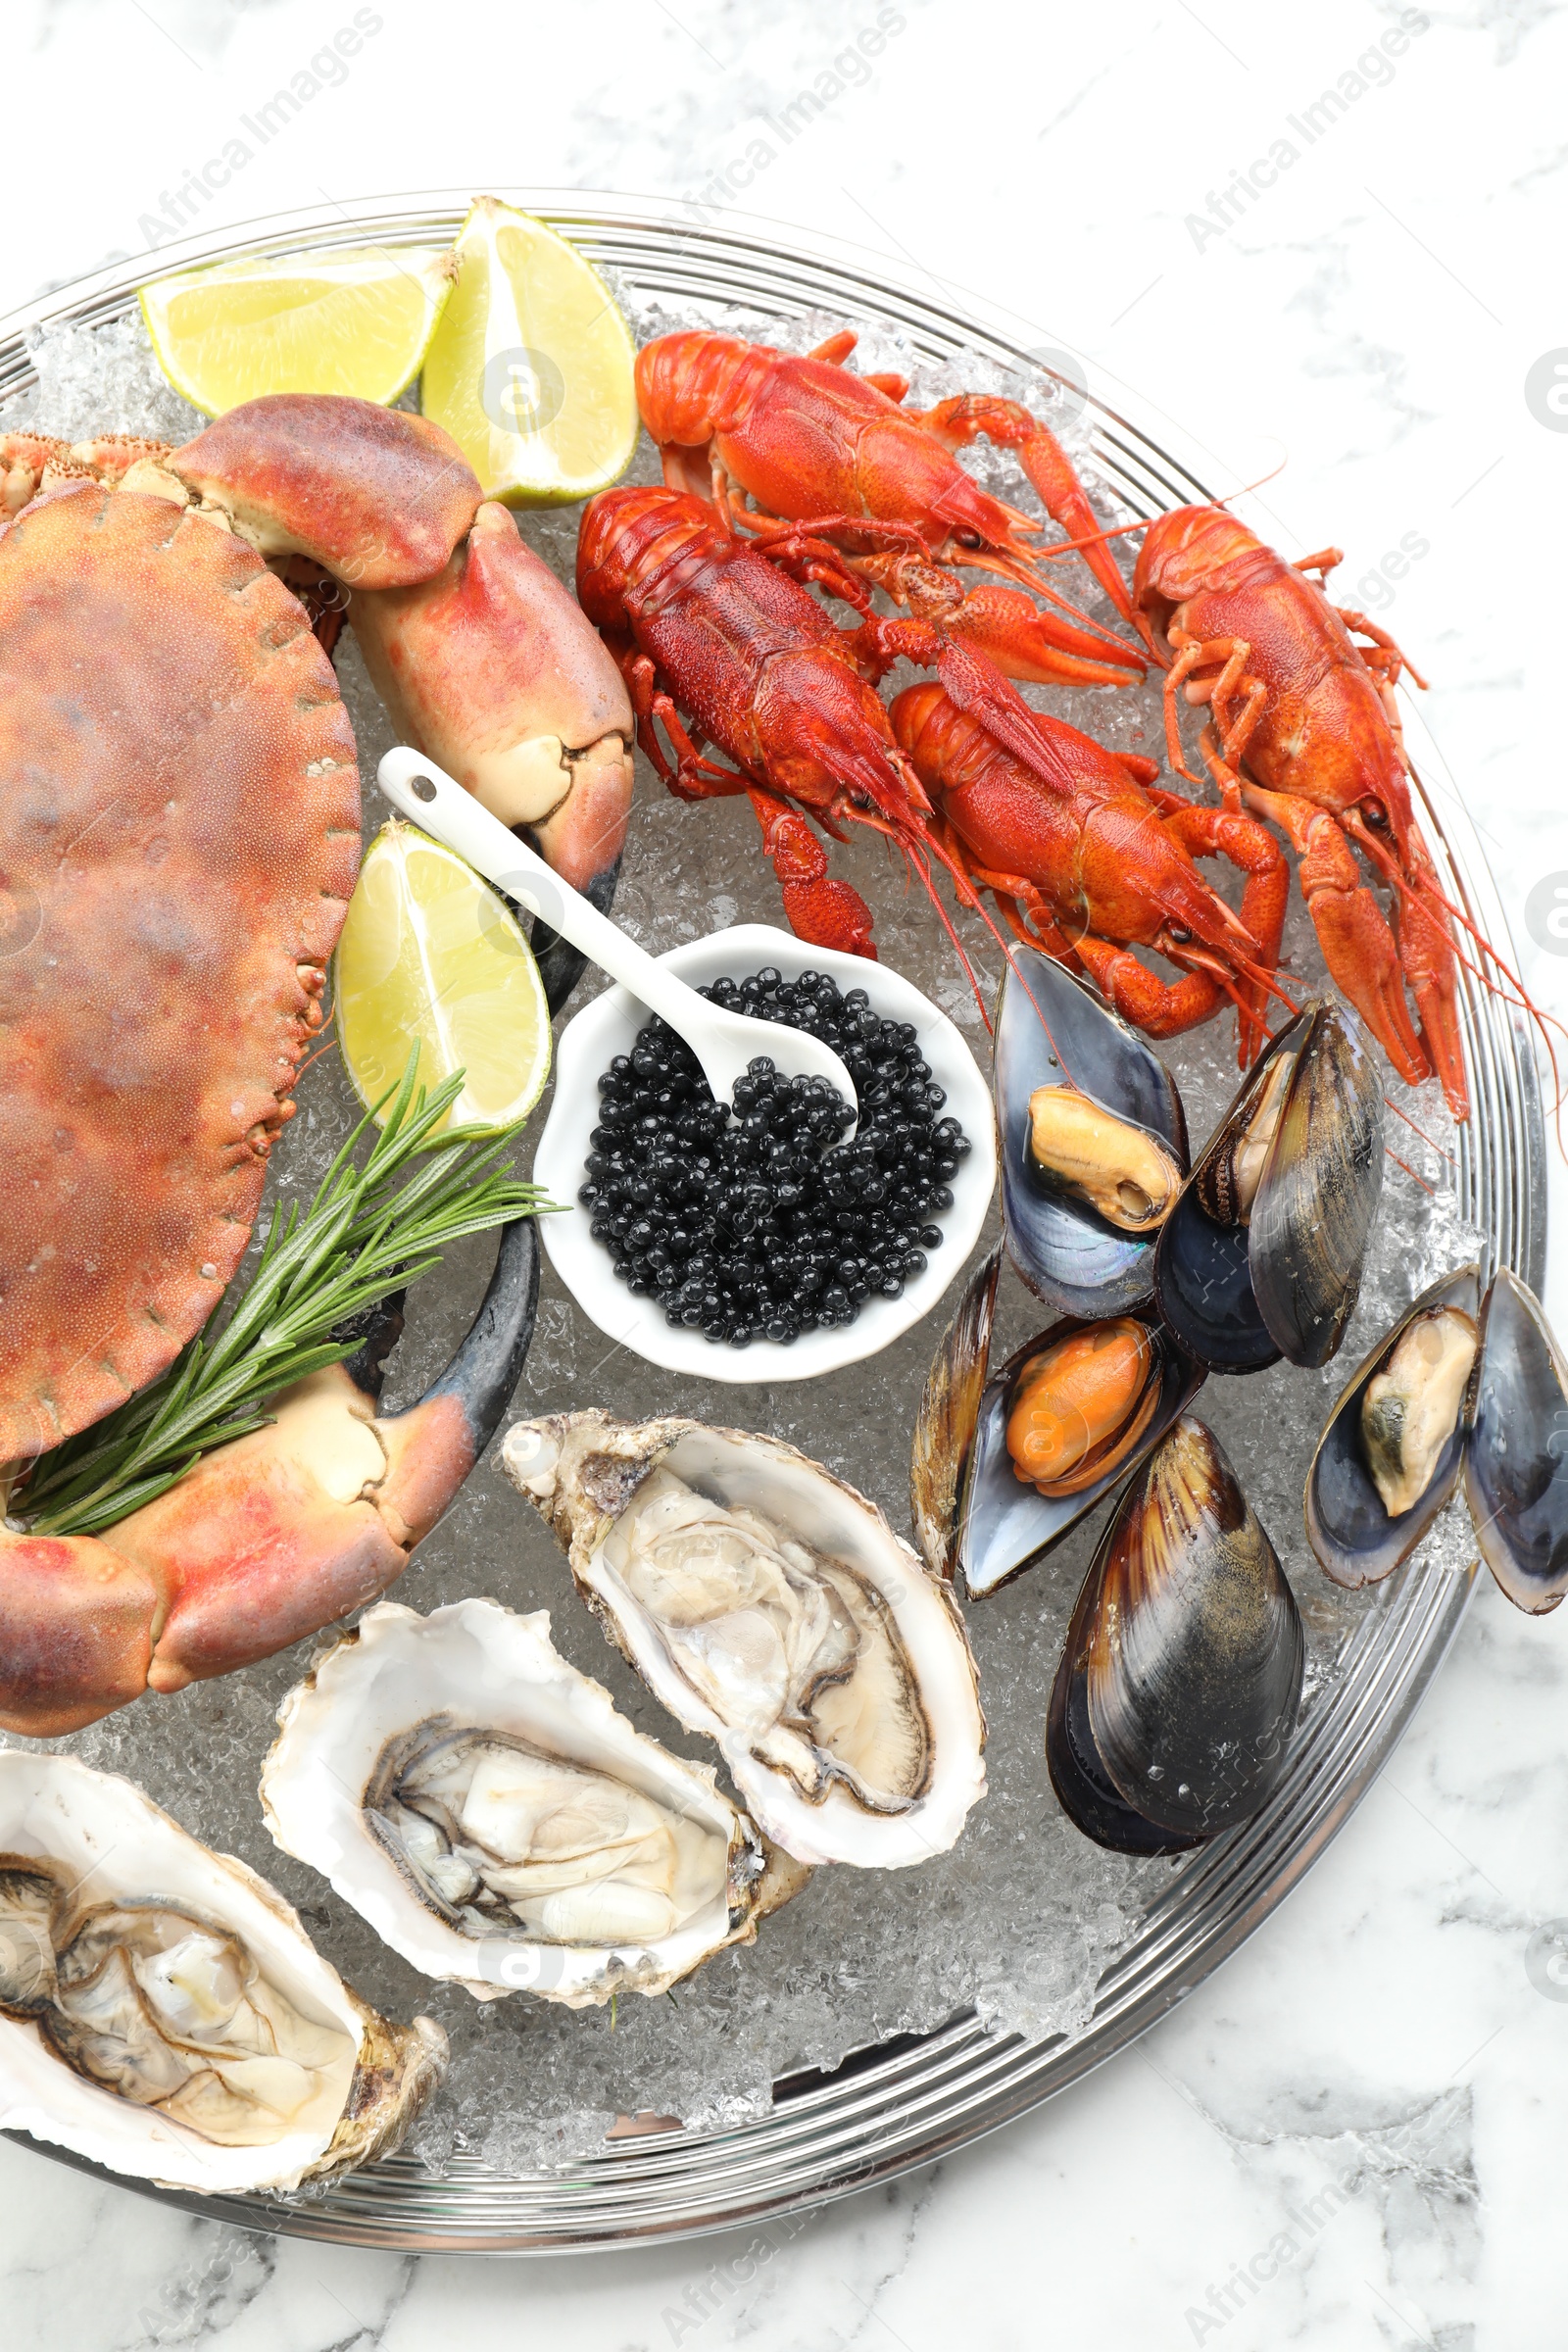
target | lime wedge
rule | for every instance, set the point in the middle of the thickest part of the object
(429, 953)
(357, 322)
(531, 371)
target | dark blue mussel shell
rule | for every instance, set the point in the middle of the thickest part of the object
(1180, 1680)
(1354, 1538)
(1052, 1031)
(1516, 1460)
(1238, 1296)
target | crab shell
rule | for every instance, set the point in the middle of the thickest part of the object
(581, 1471)
(486, 662)
(100, 1828)
(178, 838)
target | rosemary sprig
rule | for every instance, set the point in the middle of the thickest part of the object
(368, 1230)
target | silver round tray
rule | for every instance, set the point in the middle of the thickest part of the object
(891, 2108)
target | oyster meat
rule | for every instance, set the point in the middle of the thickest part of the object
(772, 1607)
(483, 1805)
(163, 2011)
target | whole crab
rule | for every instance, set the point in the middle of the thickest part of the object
(180, 833)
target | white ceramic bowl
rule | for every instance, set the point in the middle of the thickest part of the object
(608, 1027)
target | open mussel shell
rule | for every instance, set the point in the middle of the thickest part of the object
(1006, 1524)
(1516, 1460)
(1261, 1255)
(945, 1423)
(1054, 1033)
(1356, 1540)
(1181, 1676)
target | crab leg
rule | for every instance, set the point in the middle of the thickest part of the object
(268, 1538)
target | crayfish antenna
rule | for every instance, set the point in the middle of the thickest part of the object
(964, 891)
(1422, 902)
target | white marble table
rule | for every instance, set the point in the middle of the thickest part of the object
(1352, 2135)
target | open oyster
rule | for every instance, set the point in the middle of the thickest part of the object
(772, 1607)
(482, 1804)
(162, 2010)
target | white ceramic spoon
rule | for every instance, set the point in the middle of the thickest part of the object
(724, 1043)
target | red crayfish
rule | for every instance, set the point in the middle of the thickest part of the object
(1304, 730)
(1303, 726)
(811, 444)
(722, 644)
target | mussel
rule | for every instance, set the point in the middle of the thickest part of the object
(945, 1423)
(1441, 1395)
(1094, 1142)
(1001, 1472)
(1262, 1254)
(1392, 1449)
(1081, 1403)
(1515, 1479)
(1177, 1692)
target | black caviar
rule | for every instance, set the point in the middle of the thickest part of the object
(766, 1225)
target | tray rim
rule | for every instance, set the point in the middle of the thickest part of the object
(885, 2112)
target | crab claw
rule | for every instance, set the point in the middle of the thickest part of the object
(494, 672)
(268, 1538)
(376, 497)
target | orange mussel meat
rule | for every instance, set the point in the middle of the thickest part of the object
(1081, 1406)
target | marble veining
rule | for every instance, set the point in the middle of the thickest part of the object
(1349, 2136)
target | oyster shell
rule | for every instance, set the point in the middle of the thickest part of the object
(772, 1607)
(1180, 1679)
(1261, 1255)
(1081, 1244)
(1355, 1536)
(483, 1805)
(162, 2010)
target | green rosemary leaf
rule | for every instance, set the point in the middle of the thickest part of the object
(371, 1227)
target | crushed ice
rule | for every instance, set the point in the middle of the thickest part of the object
(1022, 1919)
